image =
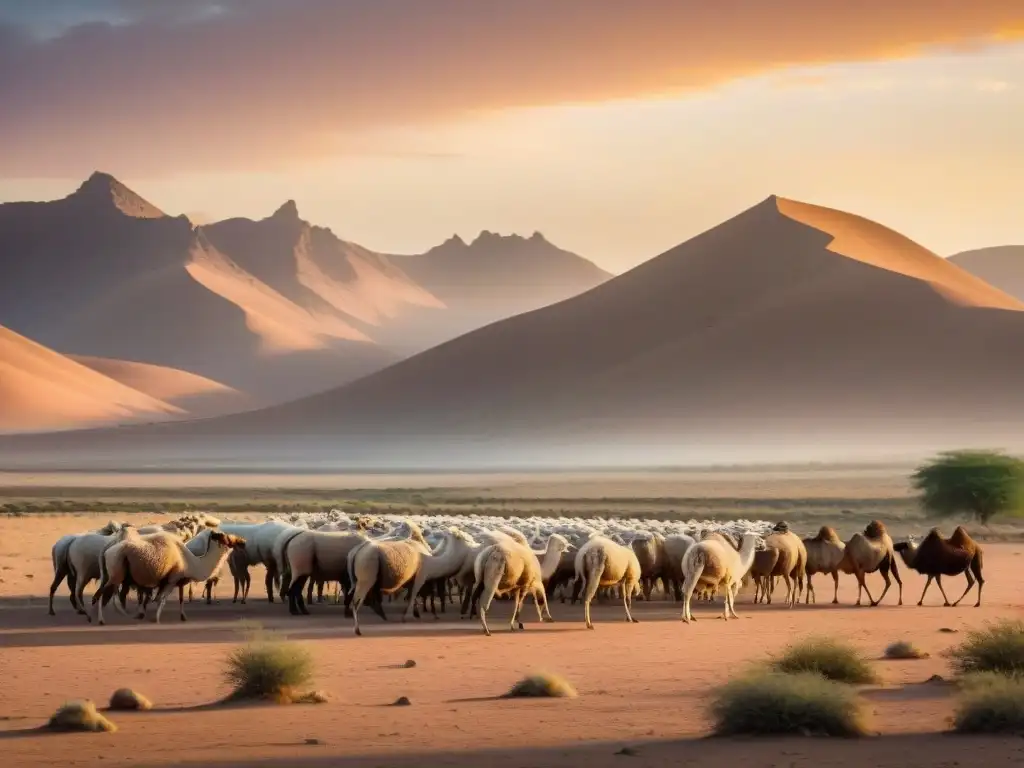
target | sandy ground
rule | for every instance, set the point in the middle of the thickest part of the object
(642, 686)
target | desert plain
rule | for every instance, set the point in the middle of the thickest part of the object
(643, 688)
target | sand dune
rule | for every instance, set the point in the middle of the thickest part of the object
(864, 240)
(1001, 266)
(41, 389)
(162, 383)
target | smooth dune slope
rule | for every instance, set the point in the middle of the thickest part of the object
(788, 330)
(41, 389)
(1001, 266)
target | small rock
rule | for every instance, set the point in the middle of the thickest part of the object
(409, 664)
(402, 701)
(628, 752)
(314, 742)
(948, 629)
(936, 679)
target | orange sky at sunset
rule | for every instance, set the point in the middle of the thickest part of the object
(617, 129)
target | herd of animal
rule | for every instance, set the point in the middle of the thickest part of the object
(476, 559)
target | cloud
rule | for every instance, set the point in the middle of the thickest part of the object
(264, 84)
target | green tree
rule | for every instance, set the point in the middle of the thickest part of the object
(979, 483)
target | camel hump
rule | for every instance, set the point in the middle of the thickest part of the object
(827, 533)
(875, 529)
(960, 537)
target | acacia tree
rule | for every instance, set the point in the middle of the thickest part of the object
(979, 483)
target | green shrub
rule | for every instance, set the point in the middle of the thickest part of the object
(829, 658)
(991, 704)
(266, 669)
(776, 704)
(997, 648)
(542, 684)
(904, 649)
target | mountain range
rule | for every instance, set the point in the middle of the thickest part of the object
(1002, 266)
(790, 330)
(266, 310)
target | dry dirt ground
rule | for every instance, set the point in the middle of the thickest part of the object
(643, 686)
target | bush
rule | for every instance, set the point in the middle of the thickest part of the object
(127, 699)
(991, 704)
(542, 685)
(265, 669)
(998, 648)
(776, 704)
(904, 650)
(829, 658)
(80, 716)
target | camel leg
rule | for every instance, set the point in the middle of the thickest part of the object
(789, 589)
(945, 600)
(161, 597)
(862, 585)
(417, 586)
(591, 583)
(627, 598)
(927, 584)
(361, 591)
(295, 593)
(884, 570)
(835, 595)
(181, 602)
(689, 585)
(810, 591)
(483, 595)
(59, 576)
(269, 582)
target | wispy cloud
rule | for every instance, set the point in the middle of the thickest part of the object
(266, 83)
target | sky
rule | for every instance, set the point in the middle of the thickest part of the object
(616, 129)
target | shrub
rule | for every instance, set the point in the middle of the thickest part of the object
(829, 658)
(80, 716)
(773, 703)
(998, 648)
(266, 669)
(904, 650)
(127, 699)
(542, 685)
(991, 704)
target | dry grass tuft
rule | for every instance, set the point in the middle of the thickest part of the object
(829, 658)
(540, 685)
(80, 716)
(991, 704)
(778, 704)
(127, 699)
(998, 648)
(270, 670)
(903, 649)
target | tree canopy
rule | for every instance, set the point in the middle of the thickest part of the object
(979, 483)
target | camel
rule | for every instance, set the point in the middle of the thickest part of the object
(792, 562)
(306, 555)
(716, 564)
(869, 552)
(650, 553)
(824, 554)
(760, 573)
(602, 562)
(160, 561)
(510, 568)
(936, 557)
(62, 566)
(440, 565)
(383, 567)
